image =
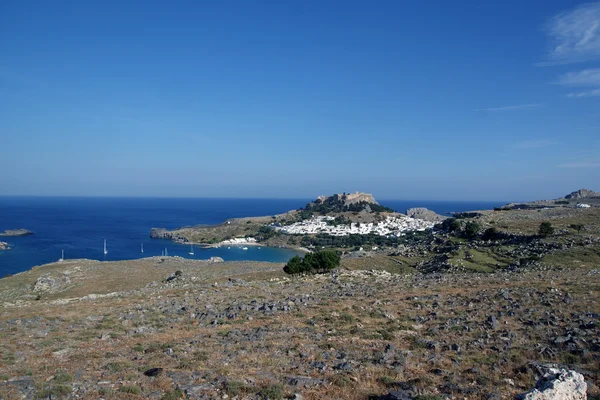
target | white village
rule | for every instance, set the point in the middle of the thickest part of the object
(391, 226)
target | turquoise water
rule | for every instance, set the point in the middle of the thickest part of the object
(79, 226)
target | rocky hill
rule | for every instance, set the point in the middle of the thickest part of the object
(349, 198)
(346, 202)
(424, 214)
(582, 194)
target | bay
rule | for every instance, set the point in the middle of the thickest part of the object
(79, 225)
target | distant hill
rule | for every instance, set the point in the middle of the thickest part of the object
(352, 202)
(582, 194)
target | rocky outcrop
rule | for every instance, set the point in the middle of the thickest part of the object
(557, 385)
(353, 198)
(349, 198)
(51, 284)
(160, 233)
(582, 194)
(16, 232)
(424, 214)
(216, 259)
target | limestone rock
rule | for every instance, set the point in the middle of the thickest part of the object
(50, 284)
(557, 385)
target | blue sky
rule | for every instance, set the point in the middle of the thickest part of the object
(436, 100)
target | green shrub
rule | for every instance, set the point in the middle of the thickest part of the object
(173, 395)
(313, 263)
(138, 347)
(131, 390)
(471, 229)
(54, 391)
(235, 388)
(577, 227)
(490, 234)
(545, 229)
(62, 377)
(272, 392)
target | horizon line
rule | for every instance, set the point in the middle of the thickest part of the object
(231, 198)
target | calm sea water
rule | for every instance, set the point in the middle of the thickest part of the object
(79, 226)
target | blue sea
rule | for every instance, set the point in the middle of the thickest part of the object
(79, 226)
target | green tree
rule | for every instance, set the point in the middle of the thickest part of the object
(490, 234)
(451, 225)
(471, 229)
(294, 266)
(577, 227)
(545, 229)
(327, 260)
(313, 263)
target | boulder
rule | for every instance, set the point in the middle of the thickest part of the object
(557, 384)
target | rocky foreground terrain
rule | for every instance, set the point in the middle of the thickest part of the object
(171, 328)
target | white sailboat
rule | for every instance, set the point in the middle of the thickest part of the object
(62, 257)
(105, 251)
(142, 248)
(191, 253)
(166, 252)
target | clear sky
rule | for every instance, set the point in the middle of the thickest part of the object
(479, 100)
